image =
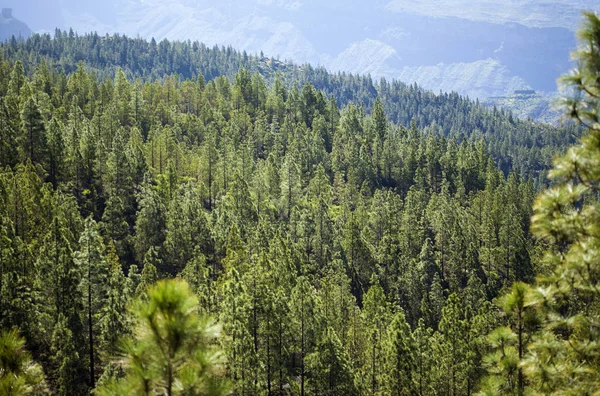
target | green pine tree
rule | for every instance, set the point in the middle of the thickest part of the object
(172, 351)
(19, 374)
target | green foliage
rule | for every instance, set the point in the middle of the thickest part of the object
(565, 354)
(172, 350)
(19, 374)
(561, 357)
(509, 344)
(330, 367)
(514, 144)
(351, 248)
(399, 358)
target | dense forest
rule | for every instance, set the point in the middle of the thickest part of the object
(182, 220)
(514, 144)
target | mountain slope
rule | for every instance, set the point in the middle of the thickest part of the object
(533, 13)
(509, 140)
(304, 226)
(530, 40)
(479, 79)
(10, 26)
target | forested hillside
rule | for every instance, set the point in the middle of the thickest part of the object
(514, 144)
(341, 250)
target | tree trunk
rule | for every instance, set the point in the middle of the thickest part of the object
(169, 378)
(90, 322)
(269, 358)
(302, 349)
(520, 330)
(373, 382)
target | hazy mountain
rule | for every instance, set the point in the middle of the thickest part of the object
(481, 48)
(542, 107)
(480, 79)
(10, 26)
(533, 13)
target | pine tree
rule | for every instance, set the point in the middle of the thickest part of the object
(509, 344)
(114, 226)
(290, 184)
(151, 222)
(33, 140)
(377, 314)
(187, 229)
(68, 344)
(56, 151)
(319, 195)
(94, 269)
(564, 356)
(149, 274)
(454, 327)
(69, 366)
(54, 261)
(380, 120)
(114, 322)
(235, 312)
(331, 372)
(12, 100)
(306, 326)
(172, 351)
(19, 374)
(8, 136)
(123, 98)
(424, 359)
(399, 358)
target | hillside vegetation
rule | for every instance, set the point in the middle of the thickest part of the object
(190, 225)
(514, 144)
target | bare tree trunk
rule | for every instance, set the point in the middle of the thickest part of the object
(90, 322)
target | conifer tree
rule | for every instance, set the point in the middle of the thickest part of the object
(149, 274)
(19, 374)
(187, 229)
(150, 223)
(377, 314)
(198, 275)
(8, 136)
(114, 322)
(564, 356)
(12, 99)
(454, 327)
(65, 348)
(53, 281)
(94, 270)
(56, 151)
(123, 98)
(399, 358)
(306, 326)
(172, 351)
(290, 183)
(33, 139)
(509, 344)
(330, 367)
(236, 313)
(424, 359)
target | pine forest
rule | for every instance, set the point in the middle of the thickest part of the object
(183, 220)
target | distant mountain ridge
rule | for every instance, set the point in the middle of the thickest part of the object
(481, 49)
(10, 26)
(533, 13)
(509, 140)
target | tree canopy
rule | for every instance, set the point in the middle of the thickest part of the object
(176, 219)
